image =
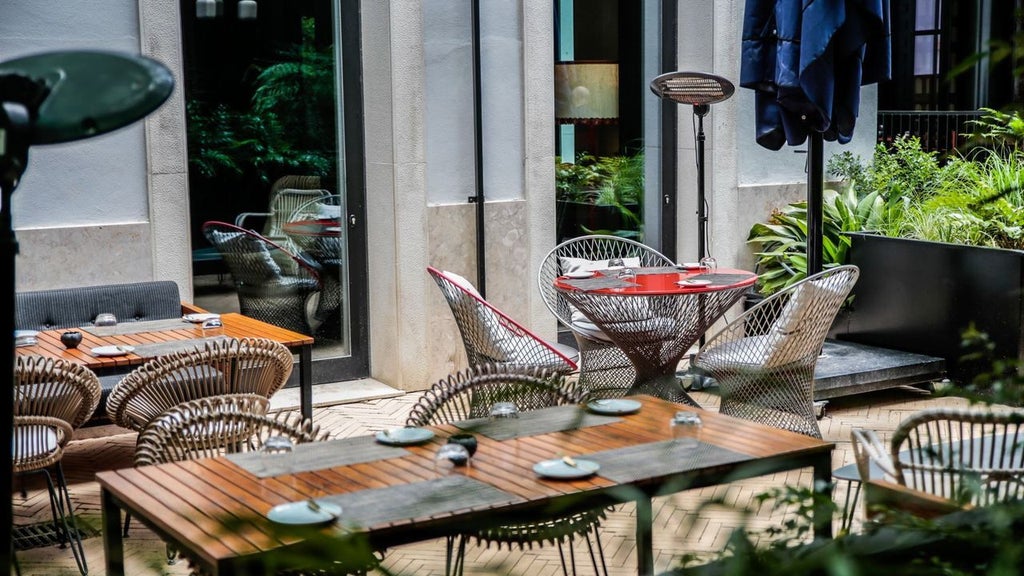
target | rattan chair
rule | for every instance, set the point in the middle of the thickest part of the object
(492, 337)
(764, 360)
(470, 394)
(232, 423)
(51, 399)
(273, 285)
(956, 458)
(604, 370)
(230, 366)
(286, 195)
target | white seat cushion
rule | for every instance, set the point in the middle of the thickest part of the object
(569, 264)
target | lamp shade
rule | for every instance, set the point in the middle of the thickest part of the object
(586, 92)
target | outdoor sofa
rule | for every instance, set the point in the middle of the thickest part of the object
(75, 307)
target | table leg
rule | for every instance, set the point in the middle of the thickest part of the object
(823, 487)
(113, 542)
(306, 381)
(644, 530)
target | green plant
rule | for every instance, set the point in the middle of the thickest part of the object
(576, 181)
(615, 182)
(782, 257)
(288, 127)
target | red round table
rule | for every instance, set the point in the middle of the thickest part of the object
(656, 316)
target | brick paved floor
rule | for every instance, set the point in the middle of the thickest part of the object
(681, 524)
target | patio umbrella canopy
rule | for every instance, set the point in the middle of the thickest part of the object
(806, 61)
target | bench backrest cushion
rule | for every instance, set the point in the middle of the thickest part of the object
(74, 307)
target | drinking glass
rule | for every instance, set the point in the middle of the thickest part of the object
(502, 410)
(212, 327)
(505, 415)
(615, 263)
(450, 456)
(105, 319)
(686, 428)
(275, 448)
(708, 263)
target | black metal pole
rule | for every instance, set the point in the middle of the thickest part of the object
(700, 110)
(669, 116)
(15, 122)
(478, 132)
(815, 183)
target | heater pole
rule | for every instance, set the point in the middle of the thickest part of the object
(700, 110)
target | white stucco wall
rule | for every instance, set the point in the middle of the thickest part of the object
(101, 180)
(450, 139)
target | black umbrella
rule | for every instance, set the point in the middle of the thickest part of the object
(806, 61)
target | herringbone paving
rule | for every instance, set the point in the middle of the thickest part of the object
(684, 522)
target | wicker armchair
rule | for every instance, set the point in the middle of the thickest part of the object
(951, 458)
(490, 336)
(51, 399)
(286, 195)
(764, 360)
(469, 394)
(232, 423)
(231, 366)
(273, 285)
(604, 370)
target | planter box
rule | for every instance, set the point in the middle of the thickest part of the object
(575, 218)
(920, 296)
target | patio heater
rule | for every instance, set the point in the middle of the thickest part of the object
(701, 91)
(51, 98)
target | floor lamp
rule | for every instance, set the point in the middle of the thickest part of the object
(52, 98)
(700, 90)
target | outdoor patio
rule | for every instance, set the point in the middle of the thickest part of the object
(679, 528)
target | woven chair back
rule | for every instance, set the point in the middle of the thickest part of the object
(230, 366)
(218, 425)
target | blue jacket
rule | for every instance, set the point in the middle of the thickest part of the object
(806, 61)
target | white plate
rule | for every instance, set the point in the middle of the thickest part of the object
(613, 406)
(404, 436)
(695, 282)
(557, 468)
(199, 318)
(302, 514)
(112, 350)
(615, 268)
(25, 337)
(690, 265)
(579, 274)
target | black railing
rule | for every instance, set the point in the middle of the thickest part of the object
(940, 132)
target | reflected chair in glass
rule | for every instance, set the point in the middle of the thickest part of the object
(230, 366)
(273, 285)
(316, 232)
(286, 194)
(232, 423)
(52, 398)
(470, 394)
(763, 361)
(491, 336)
(604, 370)
(952, 459)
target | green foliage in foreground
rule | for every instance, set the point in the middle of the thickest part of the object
(984, 541)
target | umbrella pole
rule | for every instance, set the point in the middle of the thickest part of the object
(815, 182)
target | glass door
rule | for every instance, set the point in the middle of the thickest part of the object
(608, 177)
(274, 138)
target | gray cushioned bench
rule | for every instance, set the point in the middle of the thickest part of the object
(75, 307)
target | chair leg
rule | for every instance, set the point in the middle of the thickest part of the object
(561, 556)
(72, 534)
(455, 555)
(127, 523)
(600, 552)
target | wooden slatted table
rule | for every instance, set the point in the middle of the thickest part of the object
(235, 326)
(192, 503)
